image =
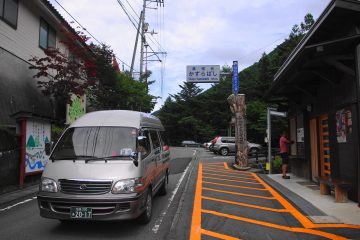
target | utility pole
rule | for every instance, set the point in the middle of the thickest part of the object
(143, 40)
(144, 57)
(136, 42)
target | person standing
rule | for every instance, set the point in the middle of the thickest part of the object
(284, 142)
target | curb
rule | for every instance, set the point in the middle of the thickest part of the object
(305, 207)
(10, 197)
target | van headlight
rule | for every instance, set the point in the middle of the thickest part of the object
(48, 185)
(126, 186)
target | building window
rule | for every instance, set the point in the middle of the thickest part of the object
(9, 12)
(47, 36)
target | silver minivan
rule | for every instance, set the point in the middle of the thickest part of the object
(107, 165)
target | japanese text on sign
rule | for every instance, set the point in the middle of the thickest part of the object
(203, 73)
(235, 78)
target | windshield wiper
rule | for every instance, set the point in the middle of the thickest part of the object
(78, 157)
(108, 158)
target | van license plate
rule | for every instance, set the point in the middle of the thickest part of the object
(80, 212)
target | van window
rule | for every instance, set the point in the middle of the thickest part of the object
(155, 140)
(162, 139)
(84, 142)
(144, 145)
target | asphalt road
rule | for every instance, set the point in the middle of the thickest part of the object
(23, 221)
(213, 201)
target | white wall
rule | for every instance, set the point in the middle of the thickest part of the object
(24, 41)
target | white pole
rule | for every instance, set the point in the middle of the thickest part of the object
(269, 137)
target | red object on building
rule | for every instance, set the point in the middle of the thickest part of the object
(115, 64)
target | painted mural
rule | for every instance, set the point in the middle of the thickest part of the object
(76, 109)
(37, 134)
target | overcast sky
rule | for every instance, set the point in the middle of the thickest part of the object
(193, 32)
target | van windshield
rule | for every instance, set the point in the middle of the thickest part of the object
(95, 142)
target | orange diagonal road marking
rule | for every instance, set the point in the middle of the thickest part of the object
(244, 204)
(217, 235)
(272, 225)
(237, 193)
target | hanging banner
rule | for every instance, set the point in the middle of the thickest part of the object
(37, 134)
(343, 125)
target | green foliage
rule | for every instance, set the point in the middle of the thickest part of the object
(117, 90)
(277, 164)
(56, 131)
(195, 115)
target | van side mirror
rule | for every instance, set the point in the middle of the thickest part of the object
(141, 138)
(48, 148)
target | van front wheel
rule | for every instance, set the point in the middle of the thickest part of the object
(145, 217)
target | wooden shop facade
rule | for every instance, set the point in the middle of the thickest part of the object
(321, 83)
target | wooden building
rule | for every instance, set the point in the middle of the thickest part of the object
(321, 83)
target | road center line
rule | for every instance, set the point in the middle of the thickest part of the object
(17, 204)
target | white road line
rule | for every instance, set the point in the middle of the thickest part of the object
(16, 204)
(160, 219)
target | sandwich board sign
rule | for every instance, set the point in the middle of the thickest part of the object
(203, 73)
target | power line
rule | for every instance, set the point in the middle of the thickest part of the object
(134, 22)
(255, 51)
(88, 31)
(138, 30)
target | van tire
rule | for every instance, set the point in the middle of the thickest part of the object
(224, 151)
(145, 217)
(164, 185)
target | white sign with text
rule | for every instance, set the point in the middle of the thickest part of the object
(203, 73)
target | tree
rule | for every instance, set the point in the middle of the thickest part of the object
(89, 69)
(192, 113)
(66, 75)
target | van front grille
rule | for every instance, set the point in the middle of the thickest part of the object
(84, 186)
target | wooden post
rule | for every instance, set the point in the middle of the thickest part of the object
(341, 194)
(238, 107)
(324, 189)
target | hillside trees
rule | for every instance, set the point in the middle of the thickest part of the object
(207, 114)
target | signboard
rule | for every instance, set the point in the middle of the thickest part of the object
(235, 77)
(203, 73)
(37, 134)
(279, 114)
(300, 135)
(76, 109)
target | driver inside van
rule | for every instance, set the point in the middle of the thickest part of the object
(142, 148)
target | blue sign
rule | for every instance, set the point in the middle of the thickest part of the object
(235, 78)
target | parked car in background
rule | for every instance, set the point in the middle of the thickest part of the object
(226, 145)
(254, 148)
(211, 146)
(189, 143)
(207, 144)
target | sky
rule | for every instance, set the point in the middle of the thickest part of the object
(191, 32)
